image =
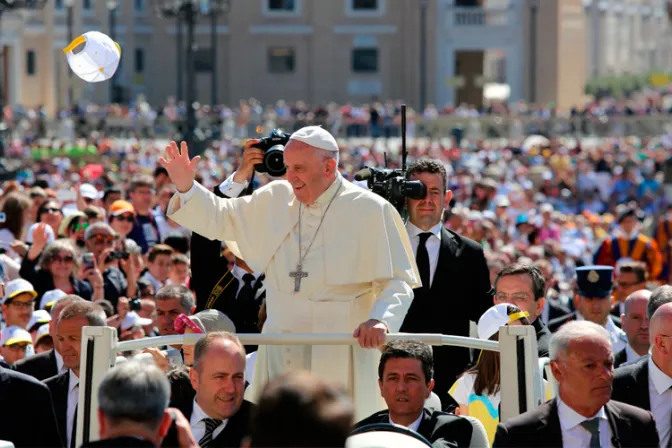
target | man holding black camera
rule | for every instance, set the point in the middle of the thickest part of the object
(325, 270)
(446, 302)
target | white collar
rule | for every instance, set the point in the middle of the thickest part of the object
(631, 354)
(414, 230)
(238, 272)
(59, 362)
(198, 414)
(73, 380)
(415, 425)
(660, 380)
(570, 419)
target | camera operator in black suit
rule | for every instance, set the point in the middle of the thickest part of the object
(237, 292)
(455, 277)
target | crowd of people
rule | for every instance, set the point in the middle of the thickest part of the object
(571, 237)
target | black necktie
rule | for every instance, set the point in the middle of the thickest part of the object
(210, 425)
(422, 259)
(247, 291)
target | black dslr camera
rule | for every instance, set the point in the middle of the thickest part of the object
(392, 184)
(273, 147)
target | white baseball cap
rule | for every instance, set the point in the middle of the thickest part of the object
(14, 335)
(51, 297)
(99, 58)
(317, 137)
(90, 192)
(42, 332)
(495, 317)
(38, 317)
(16, 287)
(132, 319)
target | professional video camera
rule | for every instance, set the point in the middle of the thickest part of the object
(392, 184)
(273, 147)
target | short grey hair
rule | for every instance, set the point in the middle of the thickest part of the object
(572, 331)
(62, 303)
(659, 297)
(639, 294)
(187, 300)
(325, 154)
(134, 392)
(95, 229)
(94, 314)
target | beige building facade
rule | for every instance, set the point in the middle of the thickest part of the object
(317, 51)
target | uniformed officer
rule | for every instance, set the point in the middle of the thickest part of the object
(593, 302)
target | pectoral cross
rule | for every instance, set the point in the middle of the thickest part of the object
(298, 275)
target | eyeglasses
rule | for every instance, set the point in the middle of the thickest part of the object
(183, 321)
(516, 297)
(22, 305)
(65, 259)
(50, 210)
(99, 238)
(627, 285)
(130, 218)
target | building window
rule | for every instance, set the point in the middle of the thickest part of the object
(139, 5)
(87, 4)
(281, 5)
(58, 4)
(365, 60)
(281, 60)
(139, 60)
(30, 63)
(364, 5)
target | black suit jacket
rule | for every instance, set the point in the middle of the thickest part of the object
(555, 310)
(236, 429)
(450, 304)
(631, 384)
(26, 412)
(440, 428)
(630, 427)
(543, 337)
(40, 366)
(58, 386)
(620, 358)
(555, 324)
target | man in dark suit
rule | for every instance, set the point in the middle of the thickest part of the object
(218, 415)
(238, 292)
(594, 286)
(647, 384)
(50, 363)
(630, 277)
(635, 324)
(582, 414)
(405, 377)
(445, 303)
(26, 414)
(133, 398)
(64, 387)
(524, 286)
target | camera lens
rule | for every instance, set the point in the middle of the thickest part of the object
(274, 161)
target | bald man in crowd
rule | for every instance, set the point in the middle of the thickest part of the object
(635, 324)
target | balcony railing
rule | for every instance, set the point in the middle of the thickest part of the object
(477, 16)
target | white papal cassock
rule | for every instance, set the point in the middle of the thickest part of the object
(360, 266)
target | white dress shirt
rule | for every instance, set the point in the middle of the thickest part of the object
(414, 426)
(73, 399)
(660, 396)
(198, 425)
(631, 355)
(433, 245)
(60, 368)
(232, 189)
(576, 436)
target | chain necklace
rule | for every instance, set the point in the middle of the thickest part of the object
(300, 274)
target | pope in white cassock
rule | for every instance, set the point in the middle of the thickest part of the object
(337, 257)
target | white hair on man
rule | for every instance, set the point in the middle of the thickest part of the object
(573, 331)
(327, 154)
(133, 394)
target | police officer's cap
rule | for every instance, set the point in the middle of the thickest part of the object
(595, 281)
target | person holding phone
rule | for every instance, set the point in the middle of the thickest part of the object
(58, 266)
